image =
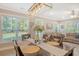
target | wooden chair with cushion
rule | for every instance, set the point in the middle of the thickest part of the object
(69, 37)
(26, 36)
(45, 37)
(56, 39)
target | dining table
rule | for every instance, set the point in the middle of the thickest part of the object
(30, 50)
(52, 50)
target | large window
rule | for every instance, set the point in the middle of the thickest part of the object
(23, 26)
(71, 26)
(8, 33)
(6, 24)
(76, 26)
(39, 21)
(13, 27)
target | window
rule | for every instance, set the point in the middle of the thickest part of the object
(6, 27)
(71, 26)
(23, 26)
(13, 27)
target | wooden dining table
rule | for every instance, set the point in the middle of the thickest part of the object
(34, 49)
(52, 50)
(24, 43)
(30, 50)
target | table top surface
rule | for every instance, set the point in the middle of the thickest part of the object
(53, 50)
(23, 43)
(30, 49)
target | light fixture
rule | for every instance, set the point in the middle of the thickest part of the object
(74, 14)
(32, 11)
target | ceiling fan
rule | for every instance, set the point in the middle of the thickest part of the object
(32, 11)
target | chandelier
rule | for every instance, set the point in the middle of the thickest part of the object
(74, 14)
(32, 11)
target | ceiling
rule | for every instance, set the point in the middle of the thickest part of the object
(18, 7)
(59, 11)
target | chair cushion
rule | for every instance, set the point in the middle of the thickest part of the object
(56, 39)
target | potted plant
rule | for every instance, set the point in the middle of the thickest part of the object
(38, 30)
